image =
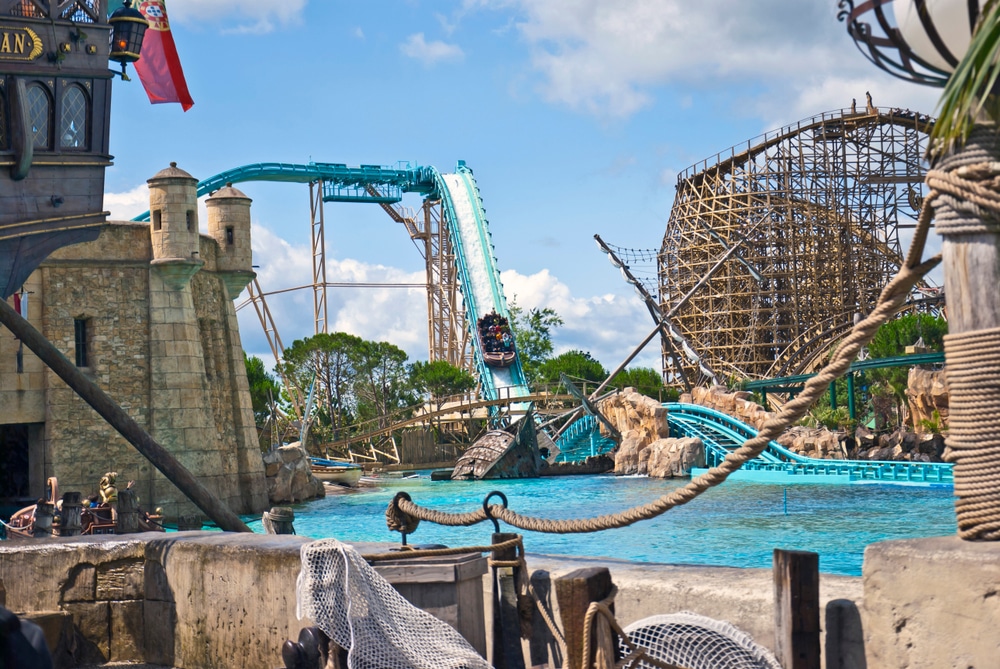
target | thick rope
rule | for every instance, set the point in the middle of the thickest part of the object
(969, 182)
(636, 653)
(893, 296)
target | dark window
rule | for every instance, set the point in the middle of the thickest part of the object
(40, 116)
(83, 11)
(157, 219)
(80, 326)
(229, 235)
(190, 220)
(3, 121)
(73, 119)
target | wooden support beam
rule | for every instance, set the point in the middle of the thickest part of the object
(575, 591)
(796, 609)
(507, 652)
(109, 410)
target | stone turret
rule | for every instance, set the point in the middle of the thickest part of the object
(229, 225)
(173, 216)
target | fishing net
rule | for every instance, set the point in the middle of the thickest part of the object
(362, 612)
(696, 642)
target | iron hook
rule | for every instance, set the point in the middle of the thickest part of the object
(489, 514)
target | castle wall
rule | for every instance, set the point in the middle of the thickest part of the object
(168, 351)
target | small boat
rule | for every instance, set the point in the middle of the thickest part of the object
(336, 471)
(510, 453)
(496, 341)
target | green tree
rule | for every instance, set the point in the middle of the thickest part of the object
(579, 366)
(382, 384)
(440, 379)
(333, 360)
(263, 388)
(533, 336)
(647, 381)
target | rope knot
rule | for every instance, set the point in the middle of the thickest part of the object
(398, 520)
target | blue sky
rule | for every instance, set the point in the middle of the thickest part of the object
(575, 115)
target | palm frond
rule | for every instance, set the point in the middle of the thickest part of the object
(969, 95)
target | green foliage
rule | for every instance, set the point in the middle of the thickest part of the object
(263, 388)
(647, 381)
(334, 361)
(935, 425)
(579, 366)
(440, 379)
(382, 383)
(533, 337)
(969, 93)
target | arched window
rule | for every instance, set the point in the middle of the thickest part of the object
(40, 116)
(73, 119)
(3, 121)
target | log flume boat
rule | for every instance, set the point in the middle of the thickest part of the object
(496, 341)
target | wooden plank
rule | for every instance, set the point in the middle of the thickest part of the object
(507, 652)
(796, 609)
(574, 592)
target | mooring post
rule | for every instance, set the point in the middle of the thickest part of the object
(44, 514)
(71, 523)
(796, 609)
(110, 411)
(279, 520)
(127, 516)
(575, 592)
(507, 652)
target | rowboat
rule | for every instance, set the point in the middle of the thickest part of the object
(336, 471)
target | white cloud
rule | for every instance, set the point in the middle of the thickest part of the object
(237, 16)
(608, 326)
(126, 206)
(429, 53)
(608, 57)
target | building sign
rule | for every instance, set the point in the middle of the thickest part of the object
(19, 43)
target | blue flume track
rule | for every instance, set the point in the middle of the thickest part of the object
(722, 434)
(479, 278)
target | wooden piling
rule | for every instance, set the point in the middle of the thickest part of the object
(796, 609)
(507, 652)
(127, 512)
(575, 591)
(71, 524)
(279, 520)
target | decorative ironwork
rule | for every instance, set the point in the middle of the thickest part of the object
(814, 211)
(881, 41)
(39, 108)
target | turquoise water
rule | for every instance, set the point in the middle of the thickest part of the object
(737, 524)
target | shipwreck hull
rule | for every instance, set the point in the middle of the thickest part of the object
(511, 453)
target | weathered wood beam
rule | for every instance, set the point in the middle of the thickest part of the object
(796, 609)
(575, 591)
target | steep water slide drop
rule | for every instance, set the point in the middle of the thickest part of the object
(482, 291)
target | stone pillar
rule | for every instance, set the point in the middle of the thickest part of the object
(229, 225)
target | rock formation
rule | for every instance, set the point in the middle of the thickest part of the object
(926, 393)
(289, 478)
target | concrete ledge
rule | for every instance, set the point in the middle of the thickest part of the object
(932, 603)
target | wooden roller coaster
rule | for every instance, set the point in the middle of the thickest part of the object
(815, 211)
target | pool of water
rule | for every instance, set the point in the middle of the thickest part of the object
(736, 524)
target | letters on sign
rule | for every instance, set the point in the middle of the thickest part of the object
(19, 43)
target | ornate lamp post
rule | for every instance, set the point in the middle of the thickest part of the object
(927, 42)
(128, 27)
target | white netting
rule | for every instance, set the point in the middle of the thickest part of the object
(362, 612)
(696, 642)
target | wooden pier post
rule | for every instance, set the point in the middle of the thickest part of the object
(796, 609)
(507, 652)
(575, 591)
(44, 514)
(71, 524)
(279, 520)
(127, 512)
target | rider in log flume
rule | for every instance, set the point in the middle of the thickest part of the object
(496, 340)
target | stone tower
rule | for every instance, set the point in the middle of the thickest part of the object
(173, 218)
(229, 226)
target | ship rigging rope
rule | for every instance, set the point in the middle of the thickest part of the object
(969, 204)
(893, 296)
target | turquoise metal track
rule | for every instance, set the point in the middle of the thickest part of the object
(723, 434)
(479, 278)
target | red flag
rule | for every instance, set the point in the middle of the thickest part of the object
(159, 67)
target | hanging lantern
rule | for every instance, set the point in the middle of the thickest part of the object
(927, 41)
(128, 27)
